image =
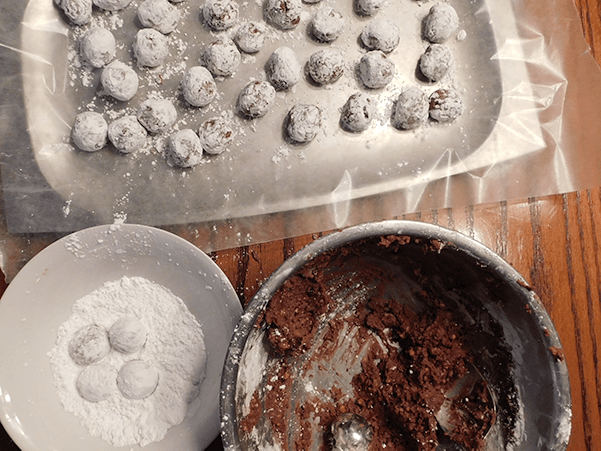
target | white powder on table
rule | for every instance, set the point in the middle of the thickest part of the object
(175, 347)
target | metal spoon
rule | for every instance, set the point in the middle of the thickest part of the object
(351, 432)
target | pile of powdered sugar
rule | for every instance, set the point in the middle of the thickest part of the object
(174, 346)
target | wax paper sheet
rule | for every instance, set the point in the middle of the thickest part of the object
(522, 67)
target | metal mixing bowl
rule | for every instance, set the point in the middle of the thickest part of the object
(461, 271)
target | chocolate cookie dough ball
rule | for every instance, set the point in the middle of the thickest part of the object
(436, 62)
(376, 70)
(198, 86)
(368, 7)
(411, 109)
(97, 382)
(250, 37)
(137, 379)
(156, 115)
(381, 34)
(185, 149)
(445, 105)
(215, 135)
(357, 113)
(89, 345)
(97, 47)
(119, 81)
(127, 134)
(256, 99)
(150, 47)
(303, 122)
(221, 57)
(77, 11)
(283, 14)
(220, 14)
(89, 132)
(327, 24)
(283, 69)
(158, 14)
(127, 335)
(112, 5)
(440, 23)
(326, 66)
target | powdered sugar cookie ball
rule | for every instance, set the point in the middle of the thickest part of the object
(89, 345)
(440, 23)
(376, 69)
(215, 135)
(221, 57)
(250, 37)
(326, 66)
(158, 14)
(127, 335)
(256, 99)
(283, 14)
(303, 122)
(127, 134)
(357, 113)
(97, 382)
(112, 5)
(283, 69)
(97, 46)
(156, 115)
(150, 47)
(327, 24)
(368, 7)
(137, 379)
(445, 105)
(89, 132)
(411, 109)
(381, 34)
(185, 149)
(436, 62)
(220, 14)
(198, 86)
(77, 11)
(119, 81)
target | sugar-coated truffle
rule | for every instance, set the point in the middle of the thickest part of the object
(112, 5)
(303, 123)
(89, 345)
(357, 113)
(250, 36)
(220, 14)
(376, 70)
(156, 115)
(97, 46)
(185, 149)
(411, 109)
(128, 335)
(119, 81)
(221, 57)
(137, 379)
(90, 131)
(77, 11)
(283, 14)
(215, 134)
(198, 86)
(255, 99)
(326, 66)
(150, 47)
(445, 105)
(127, 134)
(327, 24)
(440, 23)
(158, 14)
(97, 382)
(283, 69)
(381, 34)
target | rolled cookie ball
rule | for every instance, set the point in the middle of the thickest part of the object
(368, 7)
(256, 98)
(283, 14)
(198, 86)
(303, 122)
(127, 134)
(137, 379)
(376, 69)
(97, 46)
(327, 24)
(112, 5)
(440, 23)
(185, 148)
(326, 66)
(411, 109)
(90, 131)
(77, 11)
(97, 382)
(156, 115)
(215, 135)
(127, 335)
(283, 69)
(436, 62)
(119, 81)
(221, 57)
(445, 105)
(381, 34)
(158, 14)
(150, 47)
(250, 37)
(220, 14)
(89, 345)
(357, 113)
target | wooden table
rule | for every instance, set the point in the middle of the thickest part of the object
(555, 242)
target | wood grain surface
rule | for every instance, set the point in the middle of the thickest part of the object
(553, 241)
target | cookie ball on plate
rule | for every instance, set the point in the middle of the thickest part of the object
(283, 69)
(198, 86)
(97, 46)
(436, 62)
(440, 23)
(381, 34)
(326, 66)
(97, 382)
(303, 122)
(411, 109)
(215, 135)
(90, 131)
(185, 149)
(376, 70)
(255, 99)
(327, 24)
(357, 113)
(127, 134)
(283, 14)
(119, 81)
(151, 47)
(220, 14)
(445, 105)
(158, 14)
(368, 7)
(156, 115)
(137, 379)
(89, 345)
(221, 57)
(250, 37)
(77, 11)
(128, 335)
(112, 5)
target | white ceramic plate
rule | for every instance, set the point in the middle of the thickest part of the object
(40, 299)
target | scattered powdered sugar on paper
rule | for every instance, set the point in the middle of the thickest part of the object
(174, 346)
